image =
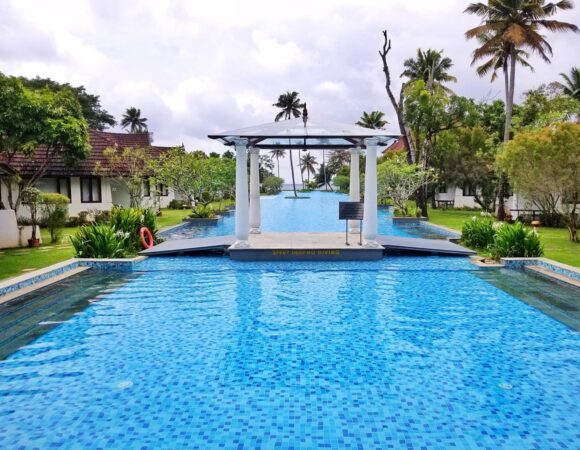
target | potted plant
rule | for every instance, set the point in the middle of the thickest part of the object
(32, 197)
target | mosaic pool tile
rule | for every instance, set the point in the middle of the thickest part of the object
(407, 352)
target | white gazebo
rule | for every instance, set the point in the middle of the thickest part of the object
(299, 135)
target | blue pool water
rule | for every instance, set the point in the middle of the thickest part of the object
(407, 352)
(317, 213)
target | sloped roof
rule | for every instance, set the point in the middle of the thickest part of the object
(98, 140)
(397, 146)
(295, 134)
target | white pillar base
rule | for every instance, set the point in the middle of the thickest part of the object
(241, 244)
(255, 231)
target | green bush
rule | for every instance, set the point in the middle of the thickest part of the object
(202, 212)
(99, 241)
(130, 221)
(516, 241)
(55, 214)
(479, 232)
(342, 182)
(272, 185)
(178, 204)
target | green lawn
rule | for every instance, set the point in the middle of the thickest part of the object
(18, 261)
(557, 245)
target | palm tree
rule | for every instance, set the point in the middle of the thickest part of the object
(308, 163)
(572, 83)
(430, 66)
(290, 106)
(498, 58)
(507, 28)
(132, 118)
(278, 153)
(374, 120)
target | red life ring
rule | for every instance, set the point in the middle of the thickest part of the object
(144, 231)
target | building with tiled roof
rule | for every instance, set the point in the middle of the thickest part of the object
(80, 182)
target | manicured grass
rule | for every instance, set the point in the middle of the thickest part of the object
(17, 261)
(557, 245)
(171, 217)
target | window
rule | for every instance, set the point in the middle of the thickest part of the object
(90, 190)
(147, 187)
(63, 187)
(162, 189)
(468, 190)
(443, 188)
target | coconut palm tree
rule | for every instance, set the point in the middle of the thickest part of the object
(278, 153)
(290, 106)
(572, 83)
(132, 119)
(509, 26)
(431, 67)
(374, 120)
(308, 165)
(498, 58)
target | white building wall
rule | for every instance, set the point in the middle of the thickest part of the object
(111, 194)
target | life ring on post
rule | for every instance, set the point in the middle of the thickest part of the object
(145, 233)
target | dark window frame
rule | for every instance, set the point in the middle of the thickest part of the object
(59, 180)
(469, 190)
(162, 189)
(91, 180)
(442, 188)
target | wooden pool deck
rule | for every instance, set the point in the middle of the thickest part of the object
(307, 246)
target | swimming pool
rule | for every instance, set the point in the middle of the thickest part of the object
(317, 213)
(406, 352)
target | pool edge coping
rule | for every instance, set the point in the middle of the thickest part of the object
(42, 275)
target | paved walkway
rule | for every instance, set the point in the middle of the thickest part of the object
(307, 241)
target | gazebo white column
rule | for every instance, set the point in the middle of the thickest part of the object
(354, 188)
(370, 226)
(254, 191)
(242, 219)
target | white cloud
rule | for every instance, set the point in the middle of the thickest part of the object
(196, 68)
(273, 55)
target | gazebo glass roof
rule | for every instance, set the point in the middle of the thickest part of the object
(288, 134)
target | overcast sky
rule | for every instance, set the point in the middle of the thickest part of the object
(199, 67)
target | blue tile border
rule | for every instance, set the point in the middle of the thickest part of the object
(559, 268)
(30, 279)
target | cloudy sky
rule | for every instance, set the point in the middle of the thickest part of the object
(199, 67)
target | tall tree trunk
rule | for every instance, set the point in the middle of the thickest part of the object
(278, 163)
(509, 79)
(397, 106)
(301, 170)
(292, 170)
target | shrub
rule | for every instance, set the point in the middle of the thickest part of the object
(55, 214)
(130, 221)
(478, 232)
(409, 211)
(84, 217)
(272, 185)
(101, 217)
(99, 241)
(342, 182)
(516, 241)
(178, 204)
(202, 212)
